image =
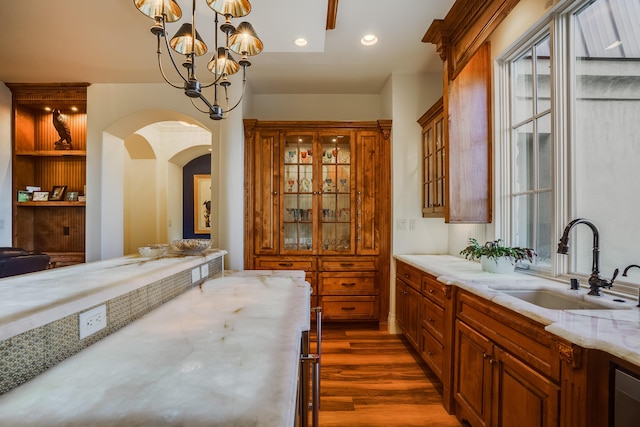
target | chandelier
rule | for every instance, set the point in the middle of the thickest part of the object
(241, 40)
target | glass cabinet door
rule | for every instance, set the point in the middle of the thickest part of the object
(336, 189)
(298, 191)
(439, 153)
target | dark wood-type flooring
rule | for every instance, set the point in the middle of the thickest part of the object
(372, 378)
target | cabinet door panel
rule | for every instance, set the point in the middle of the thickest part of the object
(367, 198)
(412, 327)
(468, 152)
(266, 209)
(472, 376)
(522, 397)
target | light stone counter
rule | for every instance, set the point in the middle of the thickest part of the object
(32, 300)
(615, 331)
(225, 353)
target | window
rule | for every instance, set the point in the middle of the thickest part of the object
(531, 147)
(572, 138)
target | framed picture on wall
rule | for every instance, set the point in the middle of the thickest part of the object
(202, 204)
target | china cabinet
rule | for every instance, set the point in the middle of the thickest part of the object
(433, 161)
(317, 198)
(42, 160)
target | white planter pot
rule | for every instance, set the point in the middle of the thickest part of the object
(501, 265)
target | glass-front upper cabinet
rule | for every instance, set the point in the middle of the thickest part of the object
(336, 203)
(317, 195)
(299, 191)
(433, 161)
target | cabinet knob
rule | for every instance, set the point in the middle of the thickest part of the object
(431, 320)
(275, 193)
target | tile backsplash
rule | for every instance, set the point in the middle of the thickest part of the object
(30, 353)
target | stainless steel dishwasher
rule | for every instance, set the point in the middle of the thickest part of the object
(626, 399)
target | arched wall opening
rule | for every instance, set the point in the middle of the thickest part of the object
(142, 178)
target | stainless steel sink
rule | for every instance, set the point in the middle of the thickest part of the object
(556, 300)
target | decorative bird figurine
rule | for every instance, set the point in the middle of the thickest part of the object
(64, 143)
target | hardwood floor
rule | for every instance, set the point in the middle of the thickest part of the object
(371, 378)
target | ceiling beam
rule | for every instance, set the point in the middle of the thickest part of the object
(332, 14)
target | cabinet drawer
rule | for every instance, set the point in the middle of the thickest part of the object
(348, 284)
(432, 352)
(433, 318)
(434, 290)
(408, 274)
(347, 264)
(349, 308)
(284, 264)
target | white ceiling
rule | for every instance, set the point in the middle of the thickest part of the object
(108, 42)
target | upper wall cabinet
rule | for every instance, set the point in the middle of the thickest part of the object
(468, 133)
(461, 42)
(49, 154)
(433, 160)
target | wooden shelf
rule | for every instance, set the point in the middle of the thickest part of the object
(53, 153)
(60, 203)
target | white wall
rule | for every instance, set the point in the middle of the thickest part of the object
(412, 95)
(5, 167)
(114, 112)
(315, 107)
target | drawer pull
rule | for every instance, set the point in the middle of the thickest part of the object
(285, 264)
(348, 308)
(431, 320)
(407, 275)
(346, 264)
(348, 285)
(431, 291)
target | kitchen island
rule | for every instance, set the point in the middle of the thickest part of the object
(224, 353)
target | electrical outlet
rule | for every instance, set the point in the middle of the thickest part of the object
(401, 224)
(92, 321)
(204, 270)
(195, 275)
(412, 224)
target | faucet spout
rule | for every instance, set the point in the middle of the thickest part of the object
(624, 273)
(595, 282)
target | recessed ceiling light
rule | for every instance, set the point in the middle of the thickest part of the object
(301, 42)
(369, 40)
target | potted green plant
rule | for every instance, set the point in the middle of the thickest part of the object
(496, 258)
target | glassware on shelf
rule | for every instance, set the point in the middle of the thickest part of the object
(343, 183)
(329, 183)
(291, 181)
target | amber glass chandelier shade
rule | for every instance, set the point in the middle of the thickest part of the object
(245, 41)
(182, 41)
(233, 8)
(157, 8)
(223, 63)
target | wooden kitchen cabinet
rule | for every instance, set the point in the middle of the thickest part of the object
(320, 192)
(433, 161)
(55, 227)
(408, 311)
(506, 368)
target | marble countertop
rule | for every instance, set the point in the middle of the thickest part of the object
(225, 353)
(615, 331)
(49, 295)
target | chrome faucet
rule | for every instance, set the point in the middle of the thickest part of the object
(624, 273)
(595, 282)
